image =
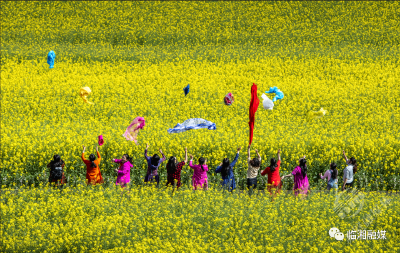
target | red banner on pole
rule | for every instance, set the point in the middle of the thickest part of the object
(253, 108)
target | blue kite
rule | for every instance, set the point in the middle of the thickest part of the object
(50, 59)
(186, 89)
(195, 123)
(278, 93)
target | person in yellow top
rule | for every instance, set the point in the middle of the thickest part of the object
(93, 174)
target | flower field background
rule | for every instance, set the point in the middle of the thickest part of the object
(137, 57)
(97, 219)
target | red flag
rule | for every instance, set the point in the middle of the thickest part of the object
(253, 108)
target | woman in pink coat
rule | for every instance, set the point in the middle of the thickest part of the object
(299, 173)
(199, 179)
(124, 171)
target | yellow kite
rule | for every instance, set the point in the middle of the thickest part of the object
(316, 115)
(85, 91)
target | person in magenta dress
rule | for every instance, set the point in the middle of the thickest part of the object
(300, 177)
(199, 179)
(153, 162)
(124, 171)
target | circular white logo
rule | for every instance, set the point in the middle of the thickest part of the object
(333, 231)
(339, 236)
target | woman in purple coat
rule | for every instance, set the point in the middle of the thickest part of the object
(153, 162)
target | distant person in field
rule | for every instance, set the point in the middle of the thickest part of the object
(57, 171)
(253, 167)
(93, 174)
(200, 178)
(349, 171)
(331, 174)
(299, 173)
(274, 179)
(124, 170)
(153, 162)
(174, 170)
(226, 170)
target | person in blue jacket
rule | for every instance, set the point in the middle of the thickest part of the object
(226, 170)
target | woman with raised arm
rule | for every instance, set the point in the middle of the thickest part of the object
(331, 174)
(174, 170)
(153, 162)
(252, 172)
(199, 179)
(349, 171)
(124, 171)
(300, 177)
(274, 179)
(226, 170)
(93, 174)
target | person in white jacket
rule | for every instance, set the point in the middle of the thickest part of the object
(349, 171)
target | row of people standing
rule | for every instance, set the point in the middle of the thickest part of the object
(199, 178)
(348, 174)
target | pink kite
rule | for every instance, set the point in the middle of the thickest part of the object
(228, 99)
(101, 140)
(133, 129)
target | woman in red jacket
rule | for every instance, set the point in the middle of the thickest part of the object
(274, 179)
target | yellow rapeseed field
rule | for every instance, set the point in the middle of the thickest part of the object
(94, 219)
(43, 114)
(137, 57)
(155, 49)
